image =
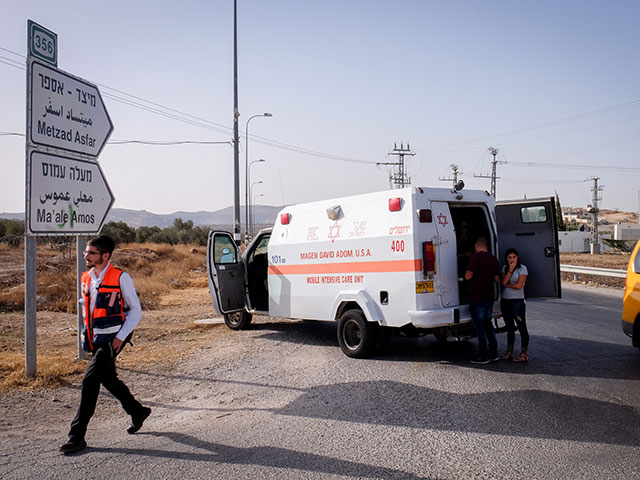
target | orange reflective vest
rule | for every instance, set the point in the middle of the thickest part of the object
(102, 325)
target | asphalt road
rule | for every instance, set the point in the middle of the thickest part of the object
(282, 401)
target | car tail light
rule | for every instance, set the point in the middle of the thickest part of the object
(428, 259)
(285, 218)
(395, 204)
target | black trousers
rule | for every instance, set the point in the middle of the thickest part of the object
(101, 370)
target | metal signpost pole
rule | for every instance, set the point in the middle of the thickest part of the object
(30, 306)
(43, 44)
(81, 243)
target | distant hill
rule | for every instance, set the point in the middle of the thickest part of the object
(263, 215)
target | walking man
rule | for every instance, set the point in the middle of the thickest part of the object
(483, 272)
(111, 311)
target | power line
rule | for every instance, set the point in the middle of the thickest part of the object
(171, 113)
(161, 143)
(12, 52)
(3, 60)
(545, 125)
(534, 182)
(579, 167)
(167, 112)
(166, 143)
(224, 128)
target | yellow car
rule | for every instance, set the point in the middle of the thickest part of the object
(631, 302)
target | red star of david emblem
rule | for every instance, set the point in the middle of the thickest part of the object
(442, 220)
(334, 231)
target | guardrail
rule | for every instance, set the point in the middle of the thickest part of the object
(603, 272)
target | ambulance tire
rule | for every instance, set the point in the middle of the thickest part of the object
(356, 336)
(238, 320)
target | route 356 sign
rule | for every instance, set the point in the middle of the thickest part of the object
(43, 43)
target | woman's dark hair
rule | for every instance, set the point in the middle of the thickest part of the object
(509, 252)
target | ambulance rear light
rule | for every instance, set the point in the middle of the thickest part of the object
(428, 259)
(285, 218)
(395, 204)
(424, 214)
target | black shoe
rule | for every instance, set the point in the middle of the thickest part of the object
(138, 420)
(73, 445)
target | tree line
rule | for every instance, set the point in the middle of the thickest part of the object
(180, 232)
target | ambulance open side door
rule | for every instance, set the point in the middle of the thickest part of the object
(530, 227)
(225, 273)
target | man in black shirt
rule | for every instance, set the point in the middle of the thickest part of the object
(483, 272)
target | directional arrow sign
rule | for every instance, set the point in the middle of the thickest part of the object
(66, 112)
(66, 195)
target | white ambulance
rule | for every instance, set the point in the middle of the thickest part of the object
(385, 260)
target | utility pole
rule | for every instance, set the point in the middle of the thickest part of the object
(400, 178)
(236, 141)
(455, 171)
(494, 152)
(595, 242)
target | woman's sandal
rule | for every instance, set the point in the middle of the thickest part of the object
(523, 357)
(508, 355)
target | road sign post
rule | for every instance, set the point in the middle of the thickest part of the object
(66, 192)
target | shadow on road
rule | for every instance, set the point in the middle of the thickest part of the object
(265, 456)
(557, 356)
(522, 413)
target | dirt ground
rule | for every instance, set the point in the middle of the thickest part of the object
(163, 337)
(618, 261)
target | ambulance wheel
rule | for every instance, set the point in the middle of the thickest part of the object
(238, 320)
(356, 336)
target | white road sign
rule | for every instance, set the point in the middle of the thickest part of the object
(66, 112)
(66, 195)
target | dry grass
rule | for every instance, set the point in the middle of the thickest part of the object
(172, 285)
(164, 336)
(157, 269)
(606, 260)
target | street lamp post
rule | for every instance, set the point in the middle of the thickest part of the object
(254, 204)
(249, 183)
(249, 225)
(246, 172)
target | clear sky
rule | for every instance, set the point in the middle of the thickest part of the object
(554, 85)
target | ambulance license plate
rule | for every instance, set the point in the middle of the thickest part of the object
(424, 287)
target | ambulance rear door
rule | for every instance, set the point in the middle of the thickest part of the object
(446, 277)
(225, 273)
(530, 227)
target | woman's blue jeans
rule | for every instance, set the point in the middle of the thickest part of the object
(514, 314)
